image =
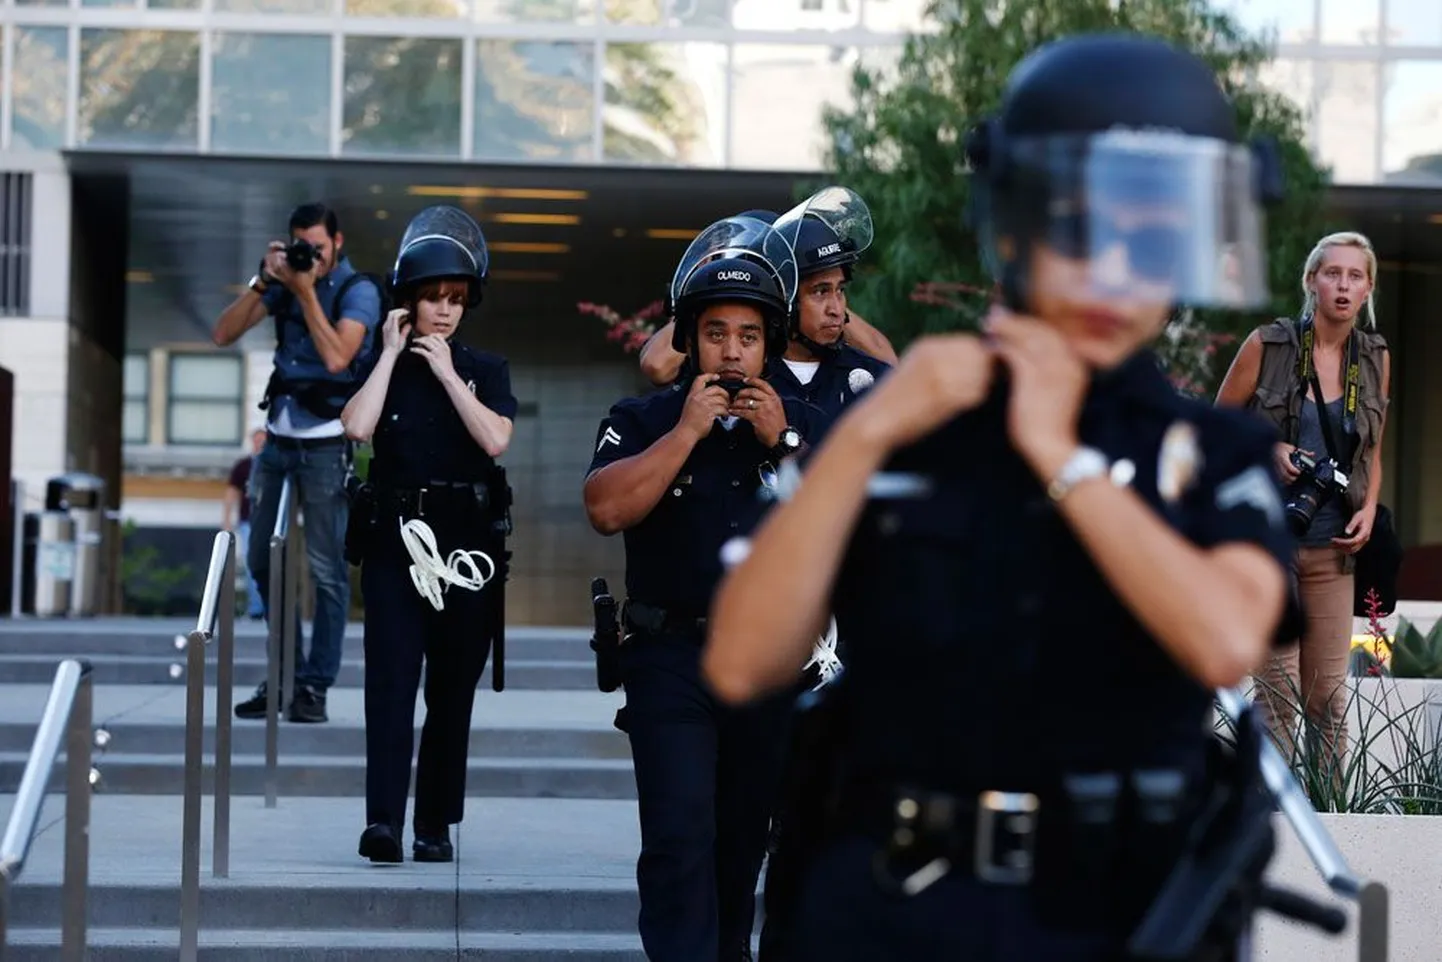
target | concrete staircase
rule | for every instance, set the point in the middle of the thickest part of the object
(546, 856)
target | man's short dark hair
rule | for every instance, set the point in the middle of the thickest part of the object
(307, 216)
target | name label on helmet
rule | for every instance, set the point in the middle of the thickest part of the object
(828, 250)
(742, 276)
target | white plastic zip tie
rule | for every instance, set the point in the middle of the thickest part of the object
(429, 573)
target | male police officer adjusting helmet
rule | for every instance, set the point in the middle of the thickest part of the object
(1028, 800)
(438, 414)
(828, 232)
(679, 472)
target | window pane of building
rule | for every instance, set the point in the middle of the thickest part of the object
(1414, 23)
(38, 76)
(110, 3)
(204, 377)
(138, 88)
(270, 93)
(534, 100)
(1293, 79)
(1347, 123)
(437, 9)
(303, 7)
(535, 11)
(173, 4)
(788, 15)
(402, 96)
(666, 103)
(42, 3)
(1412, 123)
(698, 13)
(135, 376)
(1351, 21)
(1290, 21)
(204, 422)
(778, 93)
(897, 16)
(135, 423)
(634, 11)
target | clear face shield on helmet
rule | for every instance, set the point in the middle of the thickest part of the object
(452, 225)
(1147, 217)
(744, 237)
(842, 210)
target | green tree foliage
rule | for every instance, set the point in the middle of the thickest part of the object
(900, 147)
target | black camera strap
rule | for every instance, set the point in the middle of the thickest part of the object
(1327, 438)
(1351, 377)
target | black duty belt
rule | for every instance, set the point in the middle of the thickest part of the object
(435, 496)
(650, 619)
(1086, 821)
(296, 444)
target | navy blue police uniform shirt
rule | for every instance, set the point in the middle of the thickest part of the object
(673, 556)
(985, 649)
(421, 437)
(831, 389)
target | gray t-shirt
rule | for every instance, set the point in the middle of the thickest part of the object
(1333, 516)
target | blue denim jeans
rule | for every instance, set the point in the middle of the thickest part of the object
(318, 469)
(254, 593)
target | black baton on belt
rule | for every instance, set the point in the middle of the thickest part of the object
(499, 492)
(606, 642)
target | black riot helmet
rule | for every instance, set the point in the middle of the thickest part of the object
(830, 229)
(739, 260)
(1122, 151)
(441, 243)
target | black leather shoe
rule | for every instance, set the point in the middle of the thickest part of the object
(381, 843)
(308, 705)
(254, 706)
(432, 845)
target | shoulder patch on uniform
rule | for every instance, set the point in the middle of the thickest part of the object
(609, 436)
(1253, 487)
(859, 379)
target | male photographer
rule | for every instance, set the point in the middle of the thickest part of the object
(325, 317)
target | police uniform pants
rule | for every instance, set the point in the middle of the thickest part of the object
(706, 782)
(402, 631)
(846, 916)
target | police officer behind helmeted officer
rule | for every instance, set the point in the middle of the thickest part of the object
(828, 232)
(438, 414)
(818, 319)
(1072, 556)
(679, 472)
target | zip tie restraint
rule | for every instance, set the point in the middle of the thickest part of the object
(429, 573)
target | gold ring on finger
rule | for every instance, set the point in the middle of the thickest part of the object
(753, 404)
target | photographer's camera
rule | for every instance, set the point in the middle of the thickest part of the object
(1317, 483)
(300, 255)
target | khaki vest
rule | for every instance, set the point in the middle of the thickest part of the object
(1278, 400)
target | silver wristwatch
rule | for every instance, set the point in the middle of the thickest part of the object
(1085, 463)
(257, 284)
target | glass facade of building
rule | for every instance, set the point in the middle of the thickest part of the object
(700, 83)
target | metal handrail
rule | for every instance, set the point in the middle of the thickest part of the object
(283, 595)
(216, 621)
(67, 715)
(1371, 897)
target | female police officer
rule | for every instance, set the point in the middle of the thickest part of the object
(1026, 801)
(439, 413)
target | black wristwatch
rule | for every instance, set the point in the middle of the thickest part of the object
(787, 443)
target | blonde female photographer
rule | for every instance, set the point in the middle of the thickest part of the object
(1329, 459)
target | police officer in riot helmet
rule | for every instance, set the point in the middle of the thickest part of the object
(679, 472)
(428, 532)
(822, 317)
(828, 232)
(1028, 799)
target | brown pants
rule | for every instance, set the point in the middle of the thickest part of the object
(1314, 672)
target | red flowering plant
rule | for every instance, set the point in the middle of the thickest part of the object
(632, 332)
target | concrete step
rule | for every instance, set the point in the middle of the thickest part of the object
(522, 673)
(329, 776)
(62, 638)
(343, 945)
(297, 741)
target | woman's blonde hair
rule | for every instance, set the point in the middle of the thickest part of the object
(1346, 238)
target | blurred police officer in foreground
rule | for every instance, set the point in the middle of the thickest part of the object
(325, 319)
(438, 414)
(1026, 798)
(820, 325)
(679, 472)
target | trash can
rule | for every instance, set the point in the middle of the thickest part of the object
(82, 498)
(54, 564)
